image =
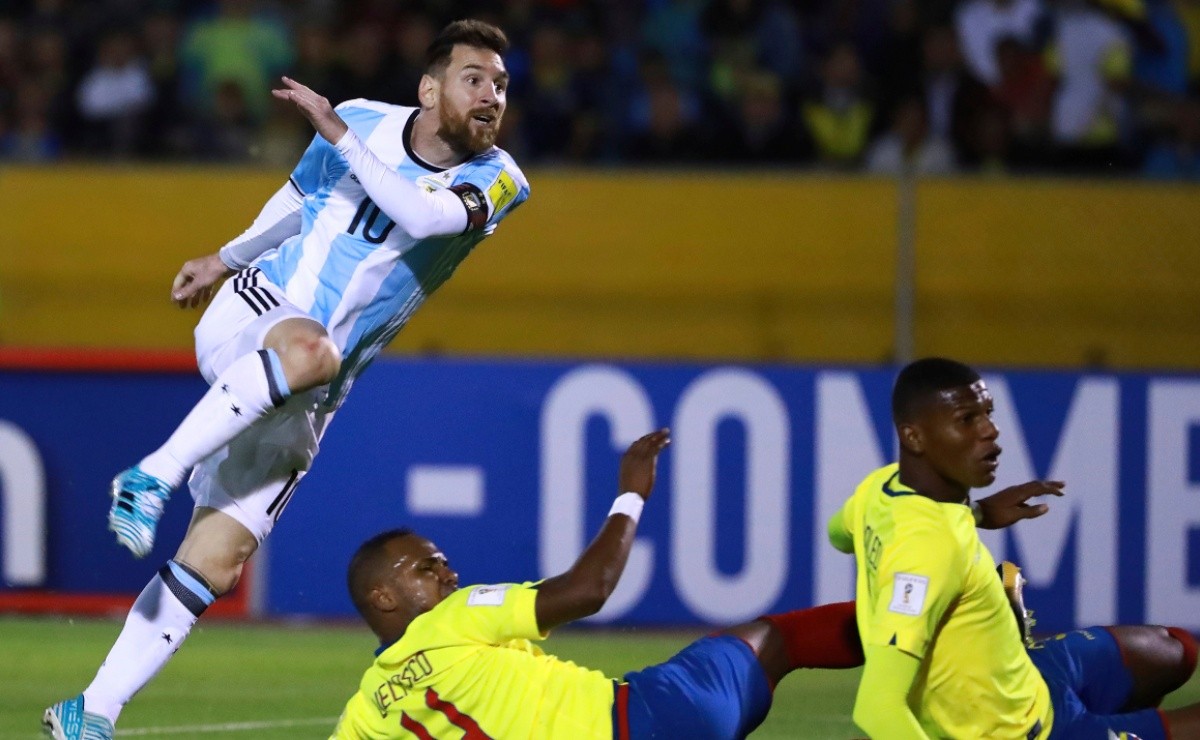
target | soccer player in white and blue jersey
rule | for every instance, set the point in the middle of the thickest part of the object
(381, 209)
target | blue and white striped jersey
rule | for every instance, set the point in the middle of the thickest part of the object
(351, 267)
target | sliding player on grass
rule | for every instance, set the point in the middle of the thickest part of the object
(461, 662)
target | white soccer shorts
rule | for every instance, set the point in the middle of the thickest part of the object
(253, 478)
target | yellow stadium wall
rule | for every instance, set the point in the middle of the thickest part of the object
(638, 265)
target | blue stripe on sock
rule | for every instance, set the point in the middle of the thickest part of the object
(191, 583)
(280, 385)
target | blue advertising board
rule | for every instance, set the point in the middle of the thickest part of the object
(511, 466)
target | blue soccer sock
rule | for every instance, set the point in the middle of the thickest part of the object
(251, 387)
(161, 619)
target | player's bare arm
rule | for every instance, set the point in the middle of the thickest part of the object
(316, 108)
(586, 586)
(197, 280)
(1007, 507)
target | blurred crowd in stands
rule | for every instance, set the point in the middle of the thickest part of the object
(931, 86)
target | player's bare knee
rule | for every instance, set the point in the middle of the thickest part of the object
(1187, 648)
(310, 362)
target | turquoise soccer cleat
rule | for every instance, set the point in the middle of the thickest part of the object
(67, 720)
(138, 501)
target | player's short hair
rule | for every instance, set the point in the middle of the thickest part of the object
(365, 564)
(469, 32)
(923, 378)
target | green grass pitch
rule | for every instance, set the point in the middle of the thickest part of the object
(236, 680)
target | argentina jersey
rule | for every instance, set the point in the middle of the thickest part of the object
(351, 267)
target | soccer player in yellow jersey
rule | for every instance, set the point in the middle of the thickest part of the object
(944, 656)
(460, 663)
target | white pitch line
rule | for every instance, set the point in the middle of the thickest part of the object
(228, 727)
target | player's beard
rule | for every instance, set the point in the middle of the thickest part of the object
(457, 132)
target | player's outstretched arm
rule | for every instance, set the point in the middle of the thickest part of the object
(420, 213)
(583, 590)
(1007, 507)
(279, 219)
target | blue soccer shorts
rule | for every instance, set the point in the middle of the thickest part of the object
(1089, 683)
(714, 689)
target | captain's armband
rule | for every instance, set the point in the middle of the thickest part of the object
(476, 205)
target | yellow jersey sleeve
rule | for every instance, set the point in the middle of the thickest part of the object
(356, 721)
(919, 576)
(840, 535)
(491, 614)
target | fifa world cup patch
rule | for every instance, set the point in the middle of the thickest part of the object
(502, 191)
(488, 595)
(908, 594)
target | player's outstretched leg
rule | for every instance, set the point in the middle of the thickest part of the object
(821, 637)
(208, 564)
(67, 720)
(248, 389)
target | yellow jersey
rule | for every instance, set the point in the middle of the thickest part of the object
(927, 585)
(467, 668)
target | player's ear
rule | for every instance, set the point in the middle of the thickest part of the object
(382, 599)
(427, 91)
(911, 438)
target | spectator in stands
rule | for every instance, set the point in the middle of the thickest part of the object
(163, 132)
(364, 70)
(1161, 66)
(227, 133)
(671, 30)
(1091, 57)
(908, 147)
(1178, 156)
(839, 118)
(597, 97)
(236, 50)
(33, 138)
(316, 56)
(114, 95)
(902, 59)
(953, 96)
(761, 132)
(1023, 96)
(550, 104)
(746, 35)
(982, 23)
(1189, 16)
(46, 52)
(662, 119)
(10, 58)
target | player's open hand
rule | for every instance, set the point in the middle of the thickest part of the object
(315, 108)
(639, 461)
(197, 281)
(1011, 505)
